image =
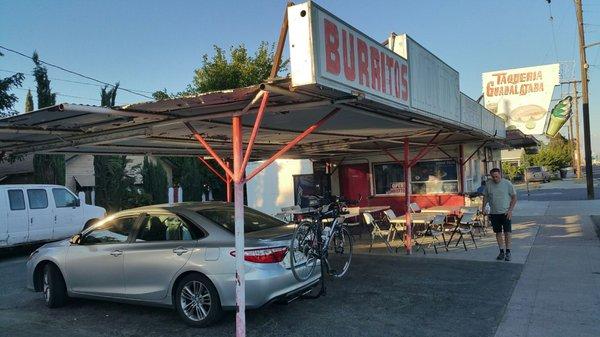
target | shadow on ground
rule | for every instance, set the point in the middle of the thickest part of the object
(381, 296)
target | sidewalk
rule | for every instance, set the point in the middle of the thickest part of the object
(558, 293)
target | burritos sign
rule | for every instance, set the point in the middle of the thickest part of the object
(521, 96)
(325, 50)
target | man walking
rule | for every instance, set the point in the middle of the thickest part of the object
(500, 193)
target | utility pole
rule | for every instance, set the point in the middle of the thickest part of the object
(576, 135)
(586, 103)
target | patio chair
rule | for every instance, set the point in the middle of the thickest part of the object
(434, 230)
(287, 213)
(465, 226)
(355, 227)
(389, 216)
(414, 207)
(480, 223)
(376, 231)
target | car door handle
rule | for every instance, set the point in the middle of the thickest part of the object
(116, 253)
(180, 250)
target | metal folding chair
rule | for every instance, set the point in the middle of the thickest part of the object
(464, 226)
(376, 231)
(433, 230)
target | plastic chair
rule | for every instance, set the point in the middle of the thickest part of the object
(376, 231)
(465, 226)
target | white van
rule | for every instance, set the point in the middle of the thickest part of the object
(33, 213)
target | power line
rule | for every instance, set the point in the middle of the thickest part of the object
(65, 95)
(74, 72)
(65, 80)
(552, 28)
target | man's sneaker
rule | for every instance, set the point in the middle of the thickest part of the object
(507, 256)
(500, 256)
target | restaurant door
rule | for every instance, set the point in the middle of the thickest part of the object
(354, 182)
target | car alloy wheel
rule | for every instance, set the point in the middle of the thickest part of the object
(46, 287)
(195, 300)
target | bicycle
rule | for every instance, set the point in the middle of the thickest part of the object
(313, 242)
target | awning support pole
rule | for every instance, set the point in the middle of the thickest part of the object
(228, 185)
(209, 149)
(425, 150)
(257, 121)
(240, 284)
(213, 170)
(407, 194)
(475, 152)
(448, 155)
(461, 168)
(291, 144)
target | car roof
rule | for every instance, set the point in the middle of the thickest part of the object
(189, 206)
(30, 186)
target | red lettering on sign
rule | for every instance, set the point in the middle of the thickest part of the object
(383, 84)
(363, 62)
(348, 50)
(404, 76)
(375, 69)
(389, 61)
(396, 78)
(332, 42)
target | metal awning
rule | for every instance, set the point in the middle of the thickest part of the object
(158, 128)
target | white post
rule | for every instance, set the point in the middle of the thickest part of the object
(81, 196)
(210, 196)
(93, 197)
(180, 194)
(238, 194)
(170, 195)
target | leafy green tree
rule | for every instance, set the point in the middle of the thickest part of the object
(109, 96)
(155, 181)
(557, 154)
(47, 168)
(220, 71)
(8, 100)
(115, 190)
(29, 102)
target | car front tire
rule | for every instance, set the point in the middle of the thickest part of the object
(197, 301)
(53, 287)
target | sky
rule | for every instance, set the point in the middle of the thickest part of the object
(152, 45)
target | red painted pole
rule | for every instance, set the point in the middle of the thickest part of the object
(211, 168)
(461, 168)
(291, 144)
(259, 117)
(238, 199)
(407, 194)
(228, 185)
(209, 149)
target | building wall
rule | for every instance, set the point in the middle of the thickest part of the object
(79, 166)
(273, 188)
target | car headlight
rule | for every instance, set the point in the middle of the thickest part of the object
(32, 254)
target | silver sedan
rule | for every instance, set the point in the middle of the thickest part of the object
(180, 256)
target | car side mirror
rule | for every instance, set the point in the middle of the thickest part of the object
(75, 239)
(77, 202)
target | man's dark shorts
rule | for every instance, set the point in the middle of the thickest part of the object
(500, 223)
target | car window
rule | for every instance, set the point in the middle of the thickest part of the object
(16, 200)
(114, 231)
(38, 199)
(63, 198)
(167, 227)
(253, 219)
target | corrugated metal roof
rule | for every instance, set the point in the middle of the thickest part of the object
(157, 127)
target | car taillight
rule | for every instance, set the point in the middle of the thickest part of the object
(263, 255)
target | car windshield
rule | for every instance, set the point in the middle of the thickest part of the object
(253, 219)
(535, 169)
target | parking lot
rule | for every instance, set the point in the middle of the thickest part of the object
(381, 296)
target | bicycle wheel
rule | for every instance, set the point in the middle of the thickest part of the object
(339, 253)
(303, 251)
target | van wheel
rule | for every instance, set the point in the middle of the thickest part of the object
(197, 301)
(53, 287)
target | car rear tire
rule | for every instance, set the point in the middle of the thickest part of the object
(53, 287)
(197, 301)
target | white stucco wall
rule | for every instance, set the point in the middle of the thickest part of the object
(273, 188)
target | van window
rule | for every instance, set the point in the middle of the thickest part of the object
(38, 199)
(16, 200)
(63, 198)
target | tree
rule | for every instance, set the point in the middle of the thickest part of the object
(108, 96)
(553, 156)
(47, 169)
(29, 102)
(220, 71)
(7, 100)
(155, 181)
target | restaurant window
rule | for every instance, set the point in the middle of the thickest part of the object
(427, 177)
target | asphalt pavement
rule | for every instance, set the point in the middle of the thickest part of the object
(381, 296)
